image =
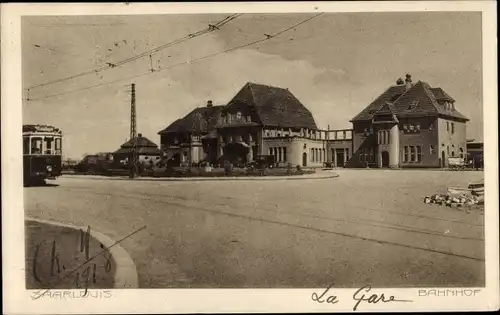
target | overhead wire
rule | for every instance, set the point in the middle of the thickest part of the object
(149, 72)
(209, 29)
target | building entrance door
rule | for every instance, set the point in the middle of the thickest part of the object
(339, 158)
(304, 159)
(385, 159)
(236, 153)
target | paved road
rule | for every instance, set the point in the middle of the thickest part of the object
(367, 226)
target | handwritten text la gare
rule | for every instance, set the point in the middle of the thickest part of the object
(362, 295)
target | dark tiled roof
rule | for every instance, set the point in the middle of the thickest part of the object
(199, 120)
(419, 100)
(275, 106)
(441, 95)
(144, 151)
(386, 109)
(144, 146)
(390, 95)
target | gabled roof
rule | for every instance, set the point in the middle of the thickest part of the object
(144, 146)
(441, 95)
(390, 95)
(419, 100)
(198, 120)
(386, 109)
(275, 106)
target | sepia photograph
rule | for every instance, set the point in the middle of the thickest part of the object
(246, 150)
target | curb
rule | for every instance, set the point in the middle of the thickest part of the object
(197, 179)
(126, 271)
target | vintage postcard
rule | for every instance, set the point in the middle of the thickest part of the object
(249, 157)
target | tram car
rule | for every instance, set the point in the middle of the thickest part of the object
(42, 150)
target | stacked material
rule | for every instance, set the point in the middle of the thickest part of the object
(455, 200)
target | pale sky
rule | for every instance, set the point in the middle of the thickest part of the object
(335, 64)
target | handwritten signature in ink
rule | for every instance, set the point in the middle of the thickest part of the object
(83, 274)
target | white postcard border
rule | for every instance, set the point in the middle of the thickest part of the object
(18, 300)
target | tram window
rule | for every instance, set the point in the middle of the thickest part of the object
(58, 144)
(26, 145)
(48, 145)
(36, 145)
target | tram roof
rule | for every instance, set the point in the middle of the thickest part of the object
(41, 129)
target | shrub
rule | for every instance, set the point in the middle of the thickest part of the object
(228, 168)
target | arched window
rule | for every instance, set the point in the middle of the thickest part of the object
(461, 153)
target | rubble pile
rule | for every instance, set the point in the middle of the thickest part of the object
(450, 200)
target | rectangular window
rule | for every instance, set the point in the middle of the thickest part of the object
(412, 127)
(36, 145)
(431, 149)
(413, 156)
(48, 145)
(371, 155)
(405, 127)
(417, 127)
(405, 154)
(346, 154)
(379, 137)
(452, 128)
(431, 126)
(58, 145)
(419, 154)
(26, 145)
(388, 135)
(447, 126)
(284, 154)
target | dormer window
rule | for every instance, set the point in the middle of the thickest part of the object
(238, 116)
(412, 105)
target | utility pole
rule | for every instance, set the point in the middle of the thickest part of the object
(328, 150)
(133, 135)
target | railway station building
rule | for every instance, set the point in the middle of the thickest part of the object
(259, 120)
(409, 125)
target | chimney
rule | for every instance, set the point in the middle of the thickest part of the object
(209, 104)
(400, 81)
(408, 81)
(139, 135)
